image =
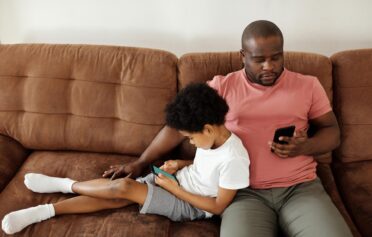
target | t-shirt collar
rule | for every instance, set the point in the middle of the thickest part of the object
(261, 86)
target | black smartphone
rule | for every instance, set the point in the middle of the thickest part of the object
(156, 171)
(283, 132)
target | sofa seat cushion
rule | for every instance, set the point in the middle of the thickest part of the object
(85, 166)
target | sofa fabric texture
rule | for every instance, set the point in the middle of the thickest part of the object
(49, 96)
(352, 76)
(73, 110)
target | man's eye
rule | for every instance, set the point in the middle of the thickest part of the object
(277, 57)
(258, 60)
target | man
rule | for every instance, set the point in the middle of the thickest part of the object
(262, 97)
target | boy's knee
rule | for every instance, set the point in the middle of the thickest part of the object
(121, 187)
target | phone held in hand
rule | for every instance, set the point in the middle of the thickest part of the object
(156, 171)
(283, 132)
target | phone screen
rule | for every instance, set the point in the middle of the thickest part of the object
(156, 170)
(283, 132)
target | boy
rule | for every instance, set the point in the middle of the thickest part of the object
(207, 185)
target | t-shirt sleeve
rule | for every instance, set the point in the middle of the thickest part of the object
(215, 83)
(320, 103)
(235, 173)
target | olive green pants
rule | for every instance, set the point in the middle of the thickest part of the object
(301, 210)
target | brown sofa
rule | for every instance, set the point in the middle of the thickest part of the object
(73, 110)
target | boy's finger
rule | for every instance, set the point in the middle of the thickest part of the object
(162, 177)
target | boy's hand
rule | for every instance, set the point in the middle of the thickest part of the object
(170, 166)
(168, 184)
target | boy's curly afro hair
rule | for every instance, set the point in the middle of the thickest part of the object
(195, 106)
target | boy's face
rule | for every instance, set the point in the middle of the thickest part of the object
(202, 139)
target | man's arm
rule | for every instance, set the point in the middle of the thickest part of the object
(327, 135)
(210, 204)
(325, 139)
(167, 139)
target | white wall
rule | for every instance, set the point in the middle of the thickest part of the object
(181, 26)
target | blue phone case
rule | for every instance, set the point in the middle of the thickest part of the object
(156, 170)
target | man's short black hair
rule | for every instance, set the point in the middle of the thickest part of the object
(195, 106)
(261, 28)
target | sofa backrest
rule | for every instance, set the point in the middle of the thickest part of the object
(84, 97)
(199, 67)
(352, 75)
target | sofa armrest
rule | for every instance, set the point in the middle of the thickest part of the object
(12, 156)
(325, 173)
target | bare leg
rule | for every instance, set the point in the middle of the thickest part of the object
(85, 204)
(124, 188)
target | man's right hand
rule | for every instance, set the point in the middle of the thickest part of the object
(167, 139)
(133, 168)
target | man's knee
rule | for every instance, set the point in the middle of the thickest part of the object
(248, 218)
(312, 213)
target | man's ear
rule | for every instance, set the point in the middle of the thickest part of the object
(242, 56)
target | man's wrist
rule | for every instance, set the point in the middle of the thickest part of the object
(140, 163)
(309, 148)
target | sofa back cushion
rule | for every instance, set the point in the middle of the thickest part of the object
(198, 67)
(84, 97)
(353, 95)
(352, 76)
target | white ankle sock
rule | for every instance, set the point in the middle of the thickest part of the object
(17, 220)
(45, 184)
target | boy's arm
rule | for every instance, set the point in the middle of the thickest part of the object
(183, 163)
(172, 166)
(210, 204)
(213, 205)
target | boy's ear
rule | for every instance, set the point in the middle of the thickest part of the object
(208, 129)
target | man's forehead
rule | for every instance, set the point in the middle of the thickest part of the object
(264, 53)
(263, 46)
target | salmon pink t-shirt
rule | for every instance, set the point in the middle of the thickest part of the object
(256, 111)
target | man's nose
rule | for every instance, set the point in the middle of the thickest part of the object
(267, 65)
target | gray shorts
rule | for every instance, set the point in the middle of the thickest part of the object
(161, 202)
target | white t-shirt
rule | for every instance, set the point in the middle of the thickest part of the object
(226, 166)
